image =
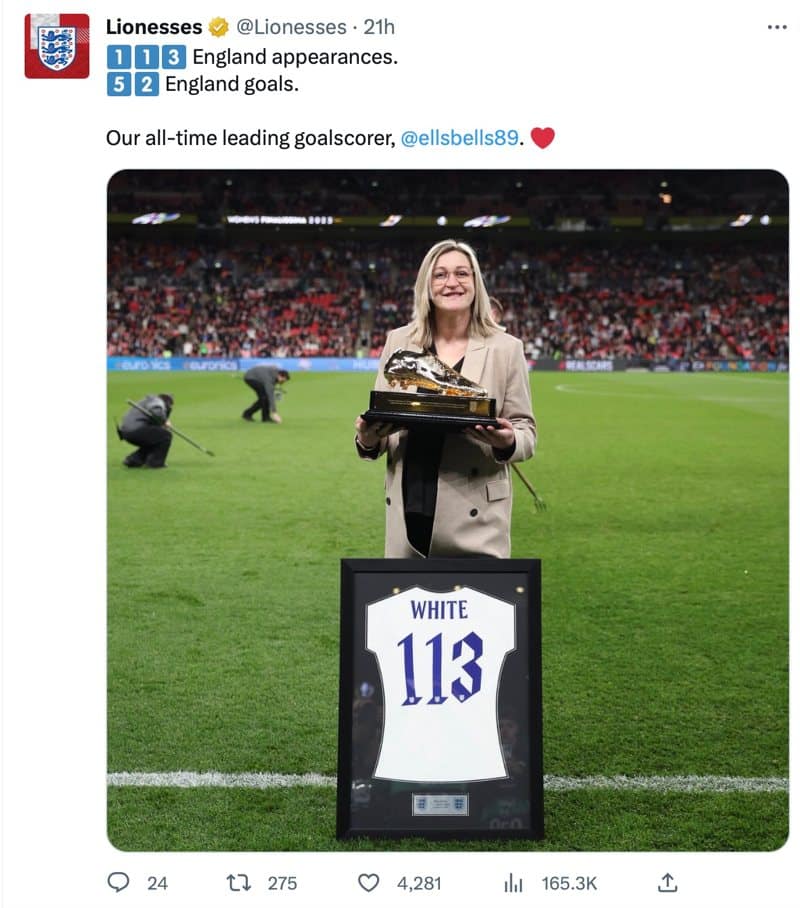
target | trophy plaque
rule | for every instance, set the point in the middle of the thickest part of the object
(443, 399)
(440, 708)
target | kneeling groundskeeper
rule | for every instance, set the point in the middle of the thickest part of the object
(146, 426)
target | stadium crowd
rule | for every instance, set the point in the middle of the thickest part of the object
(339, 297)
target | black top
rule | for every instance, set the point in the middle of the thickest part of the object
(421, 470)
(421, 477)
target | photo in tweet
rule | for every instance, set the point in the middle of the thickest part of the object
(651, 308)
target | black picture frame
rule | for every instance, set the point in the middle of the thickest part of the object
(381, 741)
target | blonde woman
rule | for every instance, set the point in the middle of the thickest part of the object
(449, 494)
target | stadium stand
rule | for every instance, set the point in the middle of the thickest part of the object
(339, 299)
(574, 282)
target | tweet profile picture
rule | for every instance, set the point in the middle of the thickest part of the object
(56, 46)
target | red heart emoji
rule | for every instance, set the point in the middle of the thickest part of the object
(543, 137)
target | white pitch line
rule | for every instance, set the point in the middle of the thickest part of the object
(667, 396)
(667, 784)
(263, 780)
(217, 780)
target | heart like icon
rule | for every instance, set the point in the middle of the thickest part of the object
(368, 881)
(543, 137)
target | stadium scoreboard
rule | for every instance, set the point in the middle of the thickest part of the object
(450, 222)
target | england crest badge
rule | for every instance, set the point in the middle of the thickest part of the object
(56, 46)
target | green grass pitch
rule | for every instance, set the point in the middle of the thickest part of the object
(664, 555)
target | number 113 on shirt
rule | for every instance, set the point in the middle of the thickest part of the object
(440, 657)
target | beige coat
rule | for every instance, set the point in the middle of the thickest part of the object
(473, 504)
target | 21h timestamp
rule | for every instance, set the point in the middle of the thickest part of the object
(570, 883)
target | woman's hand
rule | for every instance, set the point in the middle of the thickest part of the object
(501, 438)
(369, 435)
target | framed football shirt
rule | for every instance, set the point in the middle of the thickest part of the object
(440, 699)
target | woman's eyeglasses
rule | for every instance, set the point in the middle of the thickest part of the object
(462, 275)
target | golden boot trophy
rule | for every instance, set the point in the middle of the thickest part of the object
(443, 399)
